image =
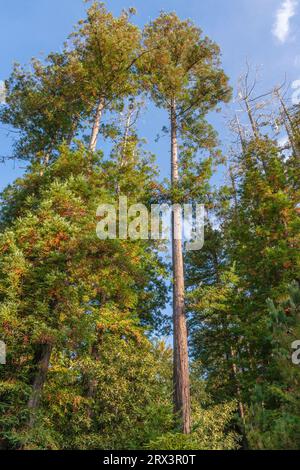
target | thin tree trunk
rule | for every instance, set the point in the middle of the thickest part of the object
(45, 162)
(42, 359)
(255, 130)
(239, 393)
(239, 397)
(241, 133)
(92, 383)
(291, 139)
(288, 124)
(251, 119)
(125, 137)
(96, 126)
(3, 444)
(285, 110)
(235, 196)
(181, 362)
(123, 150)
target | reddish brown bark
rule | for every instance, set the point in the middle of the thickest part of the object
(181, 362)
(42, 365)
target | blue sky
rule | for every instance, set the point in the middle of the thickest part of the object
(266, 32)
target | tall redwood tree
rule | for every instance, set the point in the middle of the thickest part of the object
(182, 72)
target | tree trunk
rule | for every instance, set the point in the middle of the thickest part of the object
(239, 397)
(240, 132)
(126, 135)
(289, 125)
(123, 150)
(235, 195)
(45, 162)
(4, 444)
(181, 362)
(42, 360)
(251, 119)
(238, 388)
(96, 125)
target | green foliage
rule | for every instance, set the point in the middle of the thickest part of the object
(58, 285)
(277, 424)
(252, 256)
(107, 47)
(177, 59)
(40, 104)
(210, 431)
(181, 70)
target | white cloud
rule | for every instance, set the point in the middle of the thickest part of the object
(2, 92)
(297, 61)
(284, 14)
(283, 141)
(296, 93)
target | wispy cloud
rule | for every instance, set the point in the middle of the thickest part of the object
(2, 92)
(296, 93)
(284, 14)
(297, 61)
(283, 141)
